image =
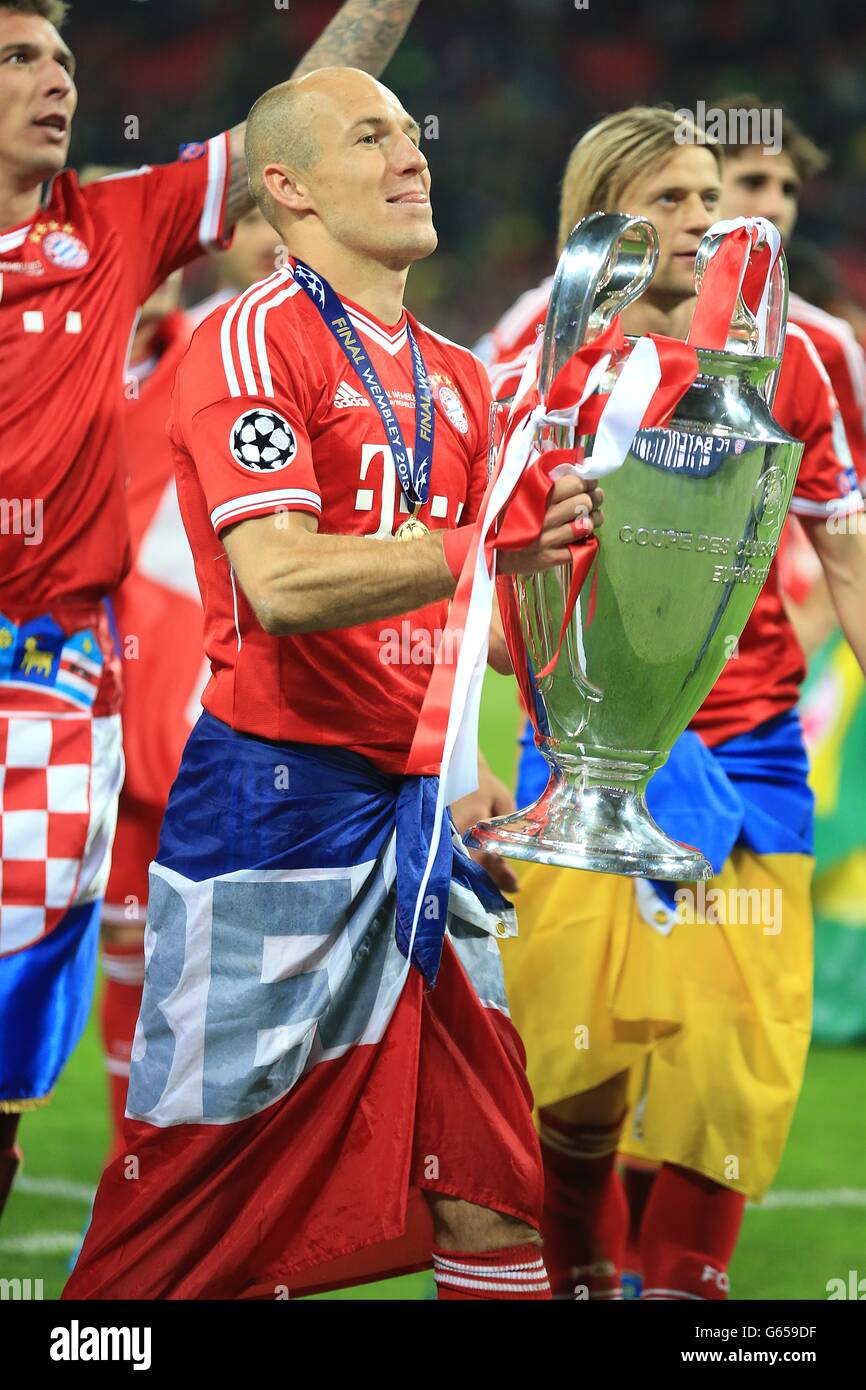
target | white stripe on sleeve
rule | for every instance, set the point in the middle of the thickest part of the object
(209, 227)
(241, 506)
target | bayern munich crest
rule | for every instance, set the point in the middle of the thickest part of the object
(453, 407)
(65, 250)
(262, 441)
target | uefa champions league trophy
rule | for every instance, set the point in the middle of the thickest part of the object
(692, 522)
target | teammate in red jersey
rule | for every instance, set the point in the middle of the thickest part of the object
(315, 1083)
(766, 677)
(75, 265)
(158, 617)
(768, 182)
(716, 1015)
(759, 181)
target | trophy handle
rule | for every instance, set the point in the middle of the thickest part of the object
(608, 261)
(746, 335)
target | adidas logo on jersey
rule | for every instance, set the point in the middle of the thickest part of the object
(347, 396)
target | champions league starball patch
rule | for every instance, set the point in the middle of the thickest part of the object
(262, 441)
(65, 250)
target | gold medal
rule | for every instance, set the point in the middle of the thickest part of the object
(411, 529)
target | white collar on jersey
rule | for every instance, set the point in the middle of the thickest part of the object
(391, 339)
(12, 240)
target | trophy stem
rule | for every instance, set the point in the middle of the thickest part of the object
(592, 815)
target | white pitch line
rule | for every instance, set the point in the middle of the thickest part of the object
(54, 1187)
(782, 1200)
(64, 1242)
(833, 1197)
(42, 1243)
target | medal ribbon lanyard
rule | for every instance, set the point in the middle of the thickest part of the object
(414, 473)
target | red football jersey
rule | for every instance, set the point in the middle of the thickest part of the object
(71, 282)
(158, 607)
(159, 620)
(845, 363)
(763, 677)
(269, 415)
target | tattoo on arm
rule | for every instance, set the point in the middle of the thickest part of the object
(363, 34)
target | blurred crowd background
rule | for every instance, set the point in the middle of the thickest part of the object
(512, 84)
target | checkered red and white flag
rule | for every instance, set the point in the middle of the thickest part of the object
(45, 766)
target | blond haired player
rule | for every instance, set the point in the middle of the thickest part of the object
(602, 979)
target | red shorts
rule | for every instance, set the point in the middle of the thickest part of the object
(324, 1188)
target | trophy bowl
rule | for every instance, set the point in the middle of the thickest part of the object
(692, 522)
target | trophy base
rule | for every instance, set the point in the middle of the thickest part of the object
(605, 829)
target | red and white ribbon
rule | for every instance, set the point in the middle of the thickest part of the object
(743, 264)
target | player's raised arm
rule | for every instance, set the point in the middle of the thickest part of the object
(363, 34)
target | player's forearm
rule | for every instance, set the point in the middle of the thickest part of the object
(363, 34)
(815, 618)
(843, 559)
(849, 599)
(324, 582)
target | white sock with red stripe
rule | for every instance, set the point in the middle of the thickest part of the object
(121, 1000)
(517, 1272)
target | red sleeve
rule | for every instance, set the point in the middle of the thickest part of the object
(506, 348)
(505, 374)
(169, 213)
(845, 363)
(248, 438)
(845, 366)
(806, 407)
(253, 457)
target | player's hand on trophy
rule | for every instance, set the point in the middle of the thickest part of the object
(491, 799)
(573, 513)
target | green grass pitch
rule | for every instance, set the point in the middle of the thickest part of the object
(811, 1229)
